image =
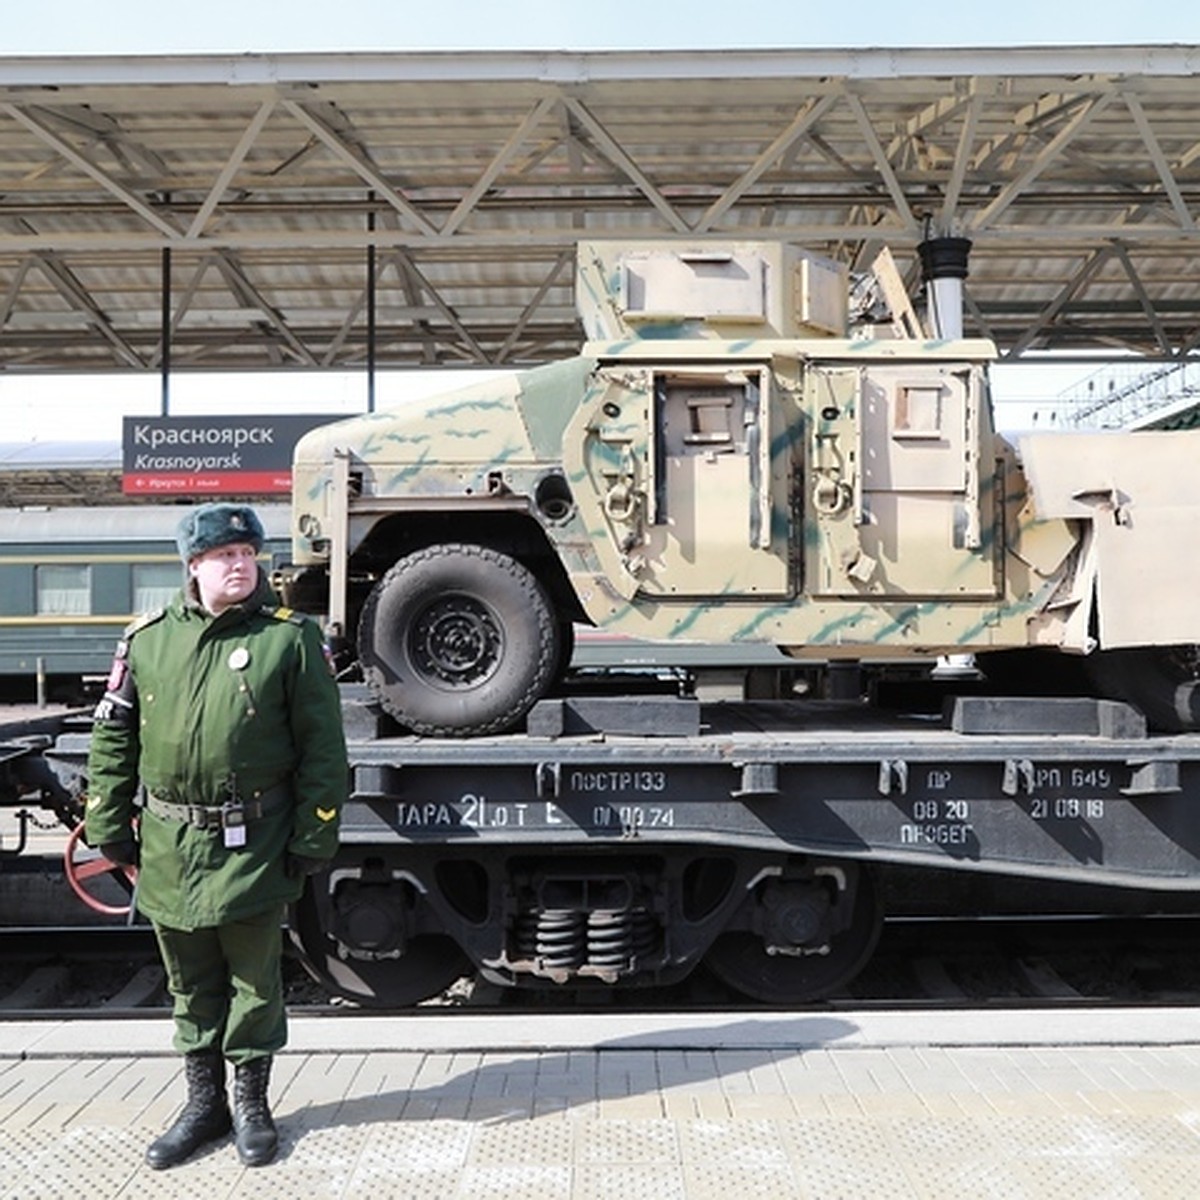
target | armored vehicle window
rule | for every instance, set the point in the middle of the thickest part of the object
(709, 420)
(918, 411)
(710, 415)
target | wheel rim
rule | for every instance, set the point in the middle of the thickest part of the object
(456, 642)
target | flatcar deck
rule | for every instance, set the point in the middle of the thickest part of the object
(1062, 788)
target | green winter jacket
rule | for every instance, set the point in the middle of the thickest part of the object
(197, 706)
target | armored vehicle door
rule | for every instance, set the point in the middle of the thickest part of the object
(900, 478)
(681, 459)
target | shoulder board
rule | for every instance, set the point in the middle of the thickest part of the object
(141, 622)
(284, 614)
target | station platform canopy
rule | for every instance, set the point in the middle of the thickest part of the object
(422, 209)
(60, 473)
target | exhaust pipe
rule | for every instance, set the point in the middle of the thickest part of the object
(943, 268)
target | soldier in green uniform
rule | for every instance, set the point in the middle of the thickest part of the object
(218, 766)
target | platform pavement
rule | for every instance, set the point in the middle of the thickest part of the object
(857, 1105)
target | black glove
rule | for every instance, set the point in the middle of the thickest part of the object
(300, 866)
(121, 854)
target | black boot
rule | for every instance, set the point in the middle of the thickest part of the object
(256, 1136)
(205, 1115)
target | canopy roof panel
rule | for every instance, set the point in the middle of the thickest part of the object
(266, 192)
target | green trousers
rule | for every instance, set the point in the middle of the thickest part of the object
(227, 985)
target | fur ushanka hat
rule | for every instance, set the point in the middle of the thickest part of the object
(213, 525)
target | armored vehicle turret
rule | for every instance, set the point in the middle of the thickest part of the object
(728, 461)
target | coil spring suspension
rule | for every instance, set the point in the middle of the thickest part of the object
(606, 940)
(556, 937)
(616, 937)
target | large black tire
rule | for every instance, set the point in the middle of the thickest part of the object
(566, 651)
(1162, 681)
(458, 640)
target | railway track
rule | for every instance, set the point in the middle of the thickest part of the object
(57, 972)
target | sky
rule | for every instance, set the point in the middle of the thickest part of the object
(92, 407)
(152, 27)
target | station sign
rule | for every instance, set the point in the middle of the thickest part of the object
(212, 456)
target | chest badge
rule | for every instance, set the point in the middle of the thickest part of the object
(239, 659)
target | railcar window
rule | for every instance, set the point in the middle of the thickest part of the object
(154, 584)
(64, 590)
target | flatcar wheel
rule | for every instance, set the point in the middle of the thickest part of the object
(84, 867)
(428, 966)
(740, 959)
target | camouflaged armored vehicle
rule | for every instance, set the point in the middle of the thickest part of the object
(728, 462)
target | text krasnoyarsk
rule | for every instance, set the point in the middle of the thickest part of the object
(208, 435)
(188, 462)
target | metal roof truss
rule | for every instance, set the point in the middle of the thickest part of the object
(314, 211)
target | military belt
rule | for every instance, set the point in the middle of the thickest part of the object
(209, 816)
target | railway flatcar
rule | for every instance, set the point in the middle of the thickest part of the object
(72, 578)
